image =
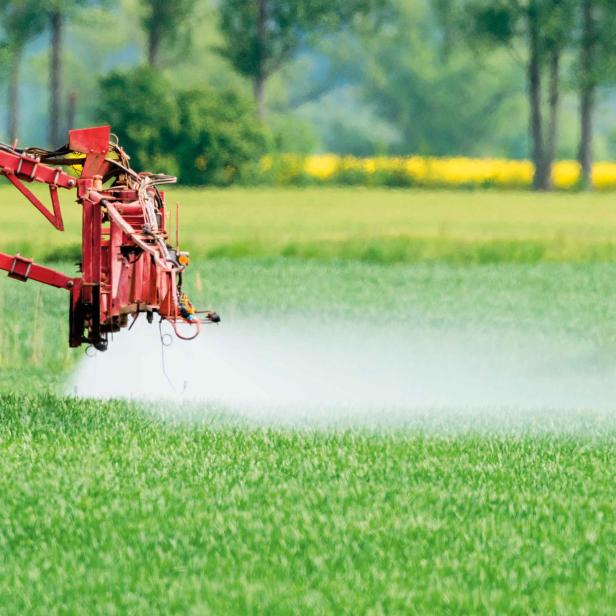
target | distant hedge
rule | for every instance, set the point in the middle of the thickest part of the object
(422, 172)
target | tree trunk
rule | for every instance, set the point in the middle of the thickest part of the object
(541, 179)
(551, 146)
(587, 104)
(13, 96)
(259, 92)
(154, 37)
(587, 95)
(71, 111)
(55, 80)
(261, 70)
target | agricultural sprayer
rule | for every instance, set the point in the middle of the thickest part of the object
(128, 266)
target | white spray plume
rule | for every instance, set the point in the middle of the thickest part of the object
(287, 371)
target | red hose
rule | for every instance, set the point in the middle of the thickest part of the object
(194, 323)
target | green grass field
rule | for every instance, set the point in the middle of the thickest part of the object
(379, 226)
(106, 510)
(122, 508)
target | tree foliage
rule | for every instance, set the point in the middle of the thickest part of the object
(260, 36)
(142, 110)
(58, 12)
(451, 77)
(440, 102)
(542, 29)
(203, 136)
(218, 138)
(165, 23)
(20, 21)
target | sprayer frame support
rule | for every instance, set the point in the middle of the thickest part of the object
(126, 265)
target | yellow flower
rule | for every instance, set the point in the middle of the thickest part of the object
(566, 174)
(604, 175)
(322, 167)
(433, 172)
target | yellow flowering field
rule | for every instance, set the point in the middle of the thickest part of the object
(426, 172)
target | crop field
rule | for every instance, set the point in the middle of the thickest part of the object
(191, 507)
(370, 225)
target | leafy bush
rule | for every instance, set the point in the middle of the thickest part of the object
(203, 136)
(143, 112)
(219, 141)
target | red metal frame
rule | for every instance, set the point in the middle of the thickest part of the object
(127, 265)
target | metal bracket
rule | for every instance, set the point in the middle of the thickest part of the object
(54, 218)
(20, 268)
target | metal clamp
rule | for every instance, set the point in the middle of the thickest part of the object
(20, 268)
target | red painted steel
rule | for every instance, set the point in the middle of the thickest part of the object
(25, 269)
(127, 265)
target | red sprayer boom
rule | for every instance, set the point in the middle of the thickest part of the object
(127, 265)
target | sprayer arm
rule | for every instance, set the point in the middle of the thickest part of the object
(23, 269)
(29, 169)
(19, 168)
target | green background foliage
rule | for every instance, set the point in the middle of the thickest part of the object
(143, 112)
(396, 76)
(203, 136)
(218, 141)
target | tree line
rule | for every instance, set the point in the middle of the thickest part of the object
(564, 46)
(259, 37)
(547, 31)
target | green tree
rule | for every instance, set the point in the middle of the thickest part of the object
(441, 101)
(596, 66)
(260, 36)
(558, 23)
(20, 22)
(141, 108)
(203, 136)
(58, 13)
(164, 22)
(542, 29)
(218, 138)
